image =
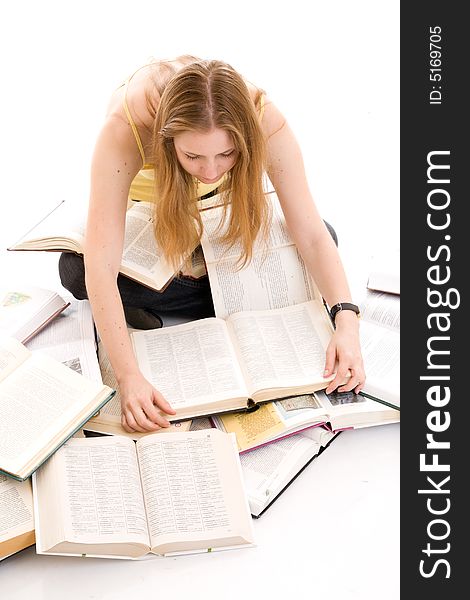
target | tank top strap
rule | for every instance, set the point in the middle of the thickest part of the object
(129, 116)
(261, 103)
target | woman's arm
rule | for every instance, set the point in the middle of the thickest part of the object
(315, 244)
(115, 163)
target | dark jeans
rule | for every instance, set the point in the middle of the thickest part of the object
(184, 295)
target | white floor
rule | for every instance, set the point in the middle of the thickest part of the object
(334, 72)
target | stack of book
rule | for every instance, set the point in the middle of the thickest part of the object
(247, 387)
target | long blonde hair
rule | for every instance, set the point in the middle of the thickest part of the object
(201, 96)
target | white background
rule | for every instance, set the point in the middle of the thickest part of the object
(333, 69)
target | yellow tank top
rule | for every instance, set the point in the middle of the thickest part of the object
(142, 187)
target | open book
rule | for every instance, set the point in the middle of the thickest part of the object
(380, 343)
(269, 470)
(25, 310)
(278, 419)
(164, 494)
(16, 516)
(276, 277)
(108, 420)
(214, 365)
(42, 403)
(63, 229)
(71, 340)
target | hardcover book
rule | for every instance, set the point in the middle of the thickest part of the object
(42, 404)
(111, 497)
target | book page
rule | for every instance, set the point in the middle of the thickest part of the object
(39, 402)
(12, 354)
(347, 409)
(276, 276)
(97, 494)
(282, 347)
(16, 515)
(381, 355)
(63, 228)
(70, 339)
(381, 308)
(192, 487)
(272, 420)
(215, 226)
(380, 344)
(141, 254)
(190, 364)
(108, 420)
(201, 423)
(268, 469)
(25, 309)
(251, 428)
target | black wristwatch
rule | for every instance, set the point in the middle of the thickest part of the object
(334, 310)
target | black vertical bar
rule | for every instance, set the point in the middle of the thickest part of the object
(435, 319)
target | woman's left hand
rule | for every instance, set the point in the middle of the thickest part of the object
(343, 355)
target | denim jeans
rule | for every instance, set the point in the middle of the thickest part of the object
(183, 296)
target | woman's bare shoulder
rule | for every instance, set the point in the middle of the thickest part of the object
(137, 93)
(273, 120)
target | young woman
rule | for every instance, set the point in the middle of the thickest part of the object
(176, 131)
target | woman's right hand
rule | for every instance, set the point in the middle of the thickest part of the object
(142, 405)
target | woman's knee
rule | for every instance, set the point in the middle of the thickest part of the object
(72, 274)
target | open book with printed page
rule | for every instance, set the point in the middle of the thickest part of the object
(111, 497)
(212, 365)
(270, 469)
(63, 230)
(42, 404)
(276, 277)
(380, 342)
(267, 341)
(25, 310)
(276, 420)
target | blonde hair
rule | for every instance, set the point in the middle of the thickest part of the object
(203, 95)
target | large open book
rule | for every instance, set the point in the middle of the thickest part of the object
(113, 497)
(269, 470)
(380, 342)
(214, 365)
(276, 277)
(16, 516)
(278, 419)
(63, 229)
(25, 310)
(42, 403)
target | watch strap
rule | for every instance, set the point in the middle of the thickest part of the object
(336, 308)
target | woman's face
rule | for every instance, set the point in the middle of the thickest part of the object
(206, 156)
